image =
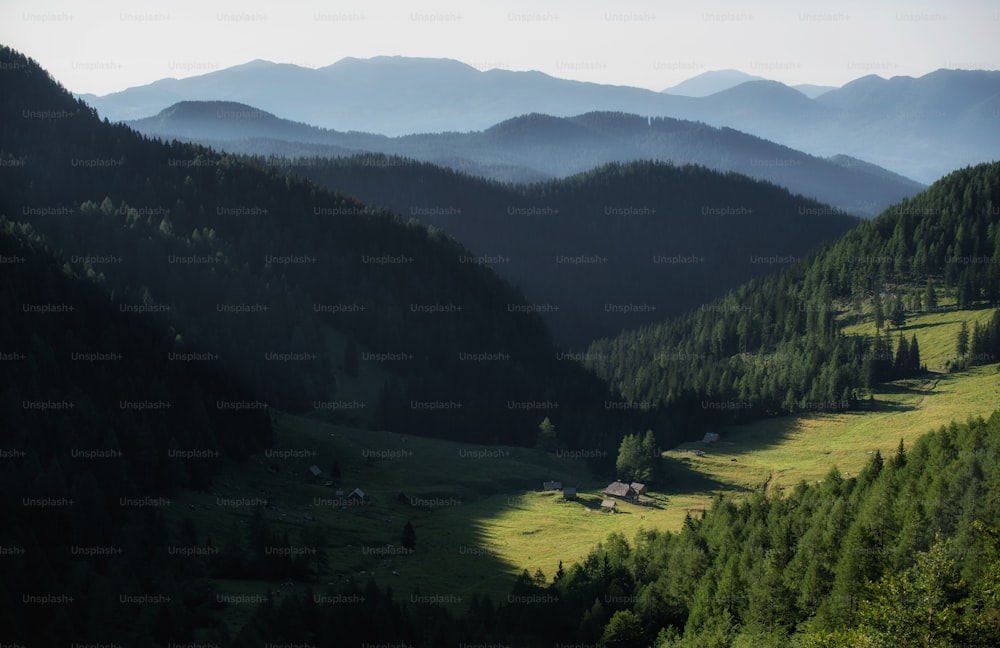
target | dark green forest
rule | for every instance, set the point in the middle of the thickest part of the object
(775, 345)
(652, 235)
(85, 387)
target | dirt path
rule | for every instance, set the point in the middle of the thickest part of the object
(767, 483)
(927, 394)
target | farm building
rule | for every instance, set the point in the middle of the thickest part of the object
(640, 489)
(552, 485)
(622, 490)
(608, 505)
(569, 493)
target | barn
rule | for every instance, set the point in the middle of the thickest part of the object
(621, 490)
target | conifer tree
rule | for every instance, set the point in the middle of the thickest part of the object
(914, 360)
(962, 341)
(409, 536)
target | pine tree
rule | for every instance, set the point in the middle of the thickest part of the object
(409, 536)
(623, 629)
(977, 342)
(930, 297)
(914, 362)
(925, 606)
(771, 603)
(546, 435)
(962, 341)
(899, 460)
(902, 361)
(898, 317)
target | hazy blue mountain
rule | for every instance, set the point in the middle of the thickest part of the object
(710, 82)
(535, 147)
(387, 94)
(921, 127)
(812, 90)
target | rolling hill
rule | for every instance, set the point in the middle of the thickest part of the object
(533, 147)
(611, 249)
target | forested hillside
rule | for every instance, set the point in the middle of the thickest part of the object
(617, 247)
(775, 344)
(105, 414)
(264, 270)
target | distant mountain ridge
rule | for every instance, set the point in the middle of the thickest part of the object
(537, 147)
(920, 127)
(713, 81)
(708, 83)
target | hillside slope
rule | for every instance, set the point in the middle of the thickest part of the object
(776, 344)
(528, 146)
(612, 249)
(292, 287)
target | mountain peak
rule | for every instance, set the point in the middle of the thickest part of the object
(214, 110)
(708, 83)
(429, 64)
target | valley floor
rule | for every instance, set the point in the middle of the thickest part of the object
(479, 513)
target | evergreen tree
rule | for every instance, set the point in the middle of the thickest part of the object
(898, 316)
(899, 459)
(930, 296)
(409, 536)
(921, 608)
(914, 360)
(962, 341)
(638, 458)
(879, 311)
(624, 629)
(546, 435)
(902, 362)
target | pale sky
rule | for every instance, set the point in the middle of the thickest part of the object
(108, 45)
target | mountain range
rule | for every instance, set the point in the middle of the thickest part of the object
(920, 127)
(536, 147)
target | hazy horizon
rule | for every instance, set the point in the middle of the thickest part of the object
(637, 44)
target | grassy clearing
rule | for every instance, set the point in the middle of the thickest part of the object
(779, 452)
(478, 511)
(450, 493)
(936, 333)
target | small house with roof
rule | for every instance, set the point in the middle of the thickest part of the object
(621, 490)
